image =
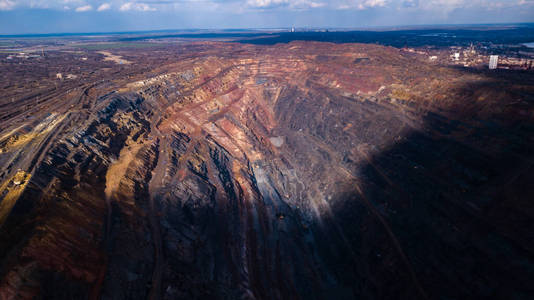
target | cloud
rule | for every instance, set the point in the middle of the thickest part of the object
(84, 8)
(294, 4)
(267, 3)
(104, 7)
(410, 3)
(128, 6)
(7, 4)
(360, 4)
(371, 3)
(316, 4)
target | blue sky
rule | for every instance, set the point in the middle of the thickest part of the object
(50, 16)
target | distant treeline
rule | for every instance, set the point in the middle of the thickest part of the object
(395, 38)
(401, 38)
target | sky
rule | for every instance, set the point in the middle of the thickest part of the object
(57, 16)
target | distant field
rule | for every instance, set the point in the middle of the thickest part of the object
(117, 45)
(7, 44)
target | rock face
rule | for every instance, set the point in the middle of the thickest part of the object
(296, 171)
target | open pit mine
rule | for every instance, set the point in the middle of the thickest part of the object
(304, 170)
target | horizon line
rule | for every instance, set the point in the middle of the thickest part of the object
(301, 28)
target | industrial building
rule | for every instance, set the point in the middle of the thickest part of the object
(493, 61)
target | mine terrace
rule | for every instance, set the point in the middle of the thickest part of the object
(270, 165)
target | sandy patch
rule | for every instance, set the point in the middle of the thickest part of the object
(12, 189)
(108, 56)
(117, 170)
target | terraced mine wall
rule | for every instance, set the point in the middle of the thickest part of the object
(298, 171)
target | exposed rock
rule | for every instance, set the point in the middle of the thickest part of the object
(240, 171)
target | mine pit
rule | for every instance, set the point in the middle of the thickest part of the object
(302, 170)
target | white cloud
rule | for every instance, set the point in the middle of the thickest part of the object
(360, 4)
(267, 3)
(296, 4)
(136, 6)
(7, 4)
(371, 3)
(316, 4)
(84, 8)
(104, 7)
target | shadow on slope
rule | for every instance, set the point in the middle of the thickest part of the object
(445, 211)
